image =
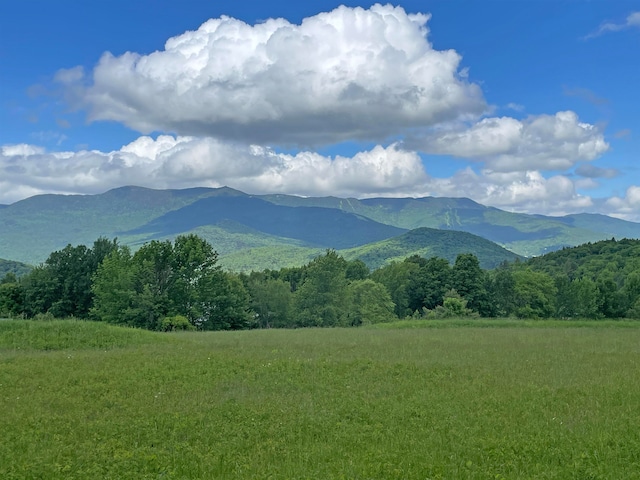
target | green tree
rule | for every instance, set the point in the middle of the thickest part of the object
(193, 270)
(502, 291)
(114, 289)
(271, 300)
(468, 279)
(225, 304)
(535, 294)
(40, 290)
(61, 286)
(11, 299)
(369, 303)
(611, 300)
(631, 290)
(322, 298)
(577, 298)
(398, 279)
(357, 270)
(164, 280)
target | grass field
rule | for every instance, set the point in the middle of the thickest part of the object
(84, 400)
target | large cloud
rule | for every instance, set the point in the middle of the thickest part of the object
(542, 142)
(169, 162)
(626, 207)
(180, 162)
(346, 74)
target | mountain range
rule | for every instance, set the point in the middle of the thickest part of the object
(252, 232)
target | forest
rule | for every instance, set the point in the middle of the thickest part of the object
(180, 285)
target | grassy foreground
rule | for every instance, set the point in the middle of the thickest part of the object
(85, 400)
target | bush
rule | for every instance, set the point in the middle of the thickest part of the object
(454, 306)
(175, 323)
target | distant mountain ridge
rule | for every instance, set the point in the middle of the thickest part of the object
(265, 231)
(10, 266)
(315, 226)
(527, 235)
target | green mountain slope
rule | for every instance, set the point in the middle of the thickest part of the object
(32, 228)
(267, 231)
(232, 221)
(526, 235)
(614, 259)
(609, 226)
(429, 242)
(315, 226)
(10, 266)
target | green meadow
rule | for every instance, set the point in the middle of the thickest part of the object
(473, 399)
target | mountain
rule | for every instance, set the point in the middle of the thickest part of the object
(612, 259)
(526, 235)
(269, 231)
(9, 266)
(611, 227)
(314, 226)
(32, 228)
(429, 242)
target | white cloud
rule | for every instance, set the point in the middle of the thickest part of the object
(632, 20)
(21, 149)
(525, 192)
(627, 207)
(504, 144)
(181, 162)
(346, 74)
(169, 162)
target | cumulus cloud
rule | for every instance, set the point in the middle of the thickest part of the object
(177, 162)
(524, 192)
(632, 21)
(350, 73)
(504, 144)
(234, 92)
(626, 207)
(181, 162)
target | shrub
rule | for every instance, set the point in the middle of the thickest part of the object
(175, 323)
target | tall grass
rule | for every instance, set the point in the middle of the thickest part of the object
(546, 402)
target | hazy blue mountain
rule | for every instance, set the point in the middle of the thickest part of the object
(32, 228)
(10, 266)
(268, 230)
(315, 226)
(527, 235)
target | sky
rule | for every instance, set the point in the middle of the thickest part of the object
(526, 105)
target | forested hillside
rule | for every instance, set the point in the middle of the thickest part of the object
(248, 231)
(610, 259)
(16, 268)
(430, 242)
(168, 285)
(526, 235)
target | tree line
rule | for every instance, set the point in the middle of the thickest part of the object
(167, 285)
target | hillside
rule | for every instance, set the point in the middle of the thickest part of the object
(32, 228)
(269, 231)
(315, 226)
(611, 259)
(429, 242)
(526, 235)
(10, 266)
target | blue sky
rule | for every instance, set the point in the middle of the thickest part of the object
(526, 105)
